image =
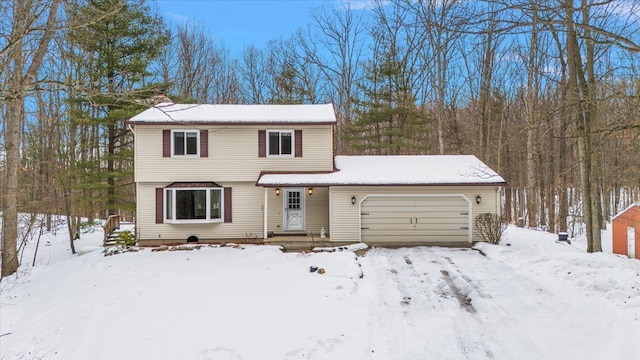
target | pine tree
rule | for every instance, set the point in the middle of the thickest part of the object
(288, 89)
(387, 119)
(121, 44)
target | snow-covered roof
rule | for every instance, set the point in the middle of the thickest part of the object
(236, 114)
(394, 170)
(625, 210)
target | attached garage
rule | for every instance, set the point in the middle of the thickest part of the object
(415, 218)
(400, 200)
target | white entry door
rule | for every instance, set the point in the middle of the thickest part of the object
(631, 242)
(294, 209)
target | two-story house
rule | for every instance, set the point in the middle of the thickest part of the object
(253, 173)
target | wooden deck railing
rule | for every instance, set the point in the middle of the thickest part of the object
(112, 224)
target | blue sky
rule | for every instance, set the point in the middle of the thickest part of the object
(238, 23)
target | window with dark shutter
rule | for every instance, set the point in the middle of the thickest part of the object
(204, 143)
(159, 206)
(166, 143)
(298, 139)
(262, 143)
(227, 205)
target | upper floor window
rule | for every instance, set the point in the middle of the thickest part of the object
(280, 142)
(185, 142)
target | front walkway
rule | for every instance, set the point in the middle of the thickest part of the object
(302, 242)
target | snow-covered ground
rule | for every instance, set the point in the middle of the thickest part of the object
(528, 298)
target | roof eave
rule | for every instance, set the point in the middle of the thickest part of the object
(328, 184)
(625, 210)
(229, 123)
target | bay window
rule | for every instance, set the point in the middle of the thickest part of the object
(193, 204)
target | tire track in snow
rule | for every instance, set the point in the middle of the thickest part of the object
(475, 285)
(518, 315)
(416, 299)
(491, 311)
(403, 306)
(470, 338)
(463, 299)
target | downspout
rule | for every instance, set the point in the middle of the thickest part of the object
(499, 202)
(330, 216)
(469, 218)
(135, 221)
(131, 129)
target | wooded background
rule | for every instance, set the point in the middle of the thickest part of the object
(545, 92)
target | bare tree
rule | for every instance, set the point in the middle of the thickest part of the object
(439, 26)
(254, 76)
(339, 33)
(33, 22)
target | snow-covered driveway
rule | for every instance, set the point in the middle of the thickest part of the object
(440, 303)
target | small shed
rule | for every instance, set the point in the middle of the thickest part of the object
(626, 232)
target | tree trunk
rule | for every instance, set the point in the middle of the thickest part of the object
(15, 114)
(531, 109)
(18, 86)
(582, 109)
(111, 184)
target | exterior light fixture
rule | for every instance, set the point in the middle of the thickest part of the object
(353, 200)
(277, 191)
(478, 199)
(310, 191)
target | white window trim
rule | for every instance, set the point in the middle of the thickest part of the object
(173, 152)
(208, 219)
(293, 143)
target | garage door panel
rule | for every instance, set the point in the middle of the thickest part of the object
(407, 217)
(413, 199)
(403, 222)
(423, 231)
(410, 202)
(410, 209)
(414, 219)
(423, 239)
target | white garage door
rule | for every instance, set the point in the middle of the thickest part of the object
(415, 219)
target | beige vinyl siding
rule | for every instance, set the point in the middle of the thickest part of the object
(316, 212)
(233, 154)
(345, 217)
(246, 210)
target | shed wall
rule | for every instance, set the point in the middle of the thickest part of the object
(629, 218)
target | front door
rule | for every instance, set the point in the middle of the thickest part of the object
(631, 242)
(294, 209)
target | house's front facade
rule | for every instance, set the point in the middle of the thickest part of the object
(248, 173)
